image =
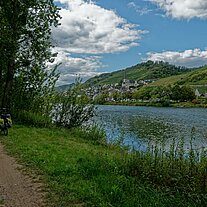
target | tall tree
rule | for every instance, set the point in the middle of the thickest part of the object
(25, 42)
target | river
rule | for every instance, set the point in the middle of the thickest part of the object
(139, 127)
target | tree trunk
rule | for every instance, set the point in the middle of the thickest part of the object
(8, 83)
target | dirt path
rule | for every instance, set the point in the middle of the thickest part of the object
(16, 188)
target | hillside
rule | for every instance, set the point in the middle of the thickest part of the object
(143, 71)
(196, 77)
(63, 87)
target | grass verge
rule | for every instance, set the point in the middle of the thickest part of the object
(80, 172)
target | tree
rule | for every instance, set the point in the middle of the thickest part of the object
(115, 95)
(183, 93)
(126, 95)
(142, 93)
(25, 42)
(100, 98)
(162, 92)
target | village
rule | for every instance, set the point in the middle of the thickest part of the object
(123, 91)
(127, 86)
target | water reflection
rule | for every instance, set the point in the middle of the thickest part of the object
(138, 126)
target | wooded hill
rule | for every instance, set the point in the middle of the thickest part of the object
(162, 73)
(144, 71)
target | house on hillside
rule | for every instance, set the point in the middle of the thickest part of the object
(197, 93)
(129, 84)
(200, 94)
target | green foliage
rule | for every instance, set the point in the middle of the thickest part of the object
(143, 93)
(162, 69)
(93, 133)
(38, 97)
(79, 173)
(115, 95)
(195, 77)
(32, 119)
(100, 98)
(183, 93)
(164, 94)
(143, 71)
(125, 95)
(72, 108)
(25, 47)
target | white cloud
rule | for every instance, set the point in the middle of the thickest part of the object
(140, 10)
(90, 29)
(183, 9)
(187, 58)
(72, 67)
(66, 79)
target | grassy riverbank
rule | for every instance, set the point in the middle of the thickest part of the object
(78, 171)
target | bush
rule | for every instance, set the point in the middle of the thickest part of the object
(72, 108)
(32, 119)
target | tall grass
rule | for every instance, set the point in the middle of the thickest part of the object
(175, 170)
(81, 173)
(92, 133)
(30, 118)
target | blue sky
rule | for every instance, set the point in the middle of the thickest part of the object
(108, 35)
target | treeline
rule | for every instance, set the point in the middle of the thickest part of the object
(161, 93)
(158, 94)
(160, 69)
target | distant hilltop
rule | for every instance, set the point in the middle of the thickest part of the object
(144, 71)
(152, 74)
(64, 87)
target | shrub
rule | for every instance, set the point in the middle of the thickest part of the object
(72, 108)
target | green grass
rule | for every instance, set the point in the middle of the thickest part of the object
(195, 77)
(169, 80)
(80, 172)
(117, 77)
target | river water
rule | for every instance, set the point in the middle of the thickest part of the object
(139, 127)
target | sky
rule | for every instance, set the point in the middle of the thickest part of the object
(102, 36)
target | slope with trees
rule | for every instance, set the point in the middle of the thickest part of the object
(142, 71)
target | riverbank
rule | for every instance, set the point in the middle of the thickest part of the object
(79, 169)
(195, 104)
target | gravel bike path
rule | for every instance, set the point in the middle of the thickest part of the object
(16, 188)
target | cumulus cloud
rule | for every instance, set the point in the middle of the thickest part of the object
(187, 58)
(89, 28)
(183, 9)
(70, 77)
(86, 31)
(72, 67)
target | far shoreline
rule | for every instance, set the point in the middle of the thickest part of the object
(164, 105)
